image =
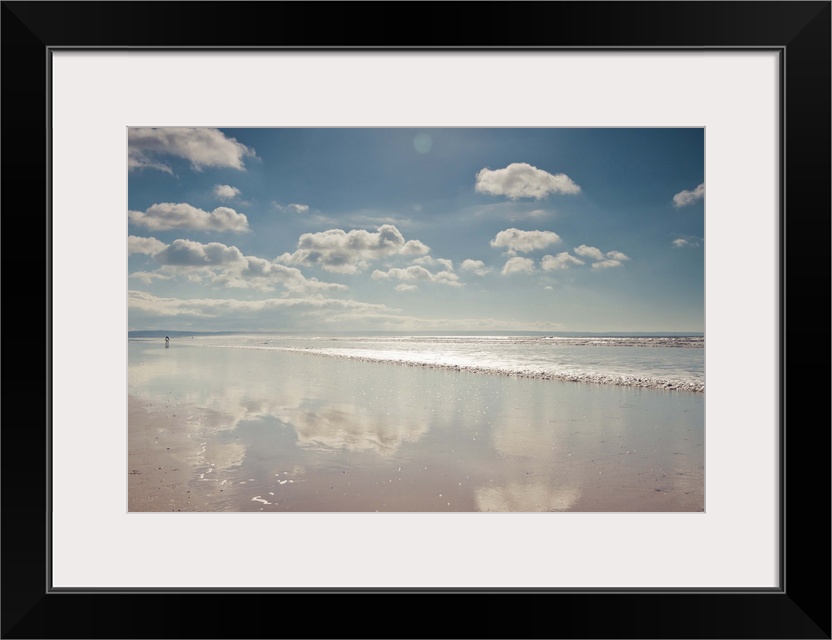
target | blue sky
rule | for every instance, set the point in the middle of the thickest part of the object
(450, 229)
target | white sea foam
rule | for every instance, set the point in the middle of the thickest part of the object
(656, 362)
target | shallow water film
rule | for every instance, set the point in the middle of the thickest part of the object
(230, 429)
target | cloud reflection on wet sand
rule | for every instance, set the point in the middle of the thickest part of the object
(304, 433)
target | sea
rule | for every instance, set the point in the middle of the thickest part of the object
(657, 362)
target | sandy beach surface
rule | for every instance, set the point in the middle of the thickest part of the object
(222, 429)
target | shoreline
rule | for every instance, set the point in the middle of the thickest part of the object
(656, 384)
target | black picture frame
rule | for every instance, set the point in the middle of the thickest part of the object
(799, 608)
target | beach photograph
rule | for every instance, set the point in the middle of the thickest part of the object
(416, 320)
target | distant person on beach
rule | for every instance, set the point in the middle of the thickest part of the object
(167, 342)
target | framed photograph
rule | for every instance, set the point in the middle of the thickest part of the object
(424, 304)
(494, 266)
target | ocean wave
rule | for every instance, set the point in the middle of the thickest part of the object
(588, 377)
(685, 342)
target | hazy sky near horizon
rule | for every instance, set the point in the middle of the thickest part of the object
(467, 229)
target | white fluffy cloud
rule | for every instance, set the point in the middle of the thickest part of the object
(561, 261)
(188, 253)
(342, 251)
(690, 241)
(291, 208)
(168, 215)
(226, 191)
(617, 255)
(684, 198)
(476, 266)
(226, 266)
(602, 260)
(518, 265)
(515, 240)
(592, 253)
(263, 275)
(202, 147)
(214, 307)
(417, 273)
(432, 262)
(606, 264)
(522, 180)
(146, 246)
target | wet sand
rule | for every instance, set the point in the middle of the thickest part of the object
(214, 429)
